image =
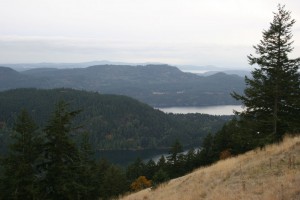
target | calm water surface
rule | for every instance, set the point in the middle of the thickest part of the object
(211, 110)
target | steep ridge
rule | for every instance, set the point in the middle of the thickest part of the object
(272, 173)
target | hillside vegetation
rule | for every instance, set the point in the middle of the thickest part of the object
(114, 121)
(272, 173)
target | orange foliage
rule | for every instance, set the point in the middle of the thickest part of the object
(225, 154)
(140, 183)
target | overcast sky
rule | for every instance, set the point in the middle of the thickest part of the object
(192, 32)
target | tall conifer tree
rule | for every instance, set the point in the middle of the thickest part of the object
(20, 172)
(61, 156)
(86, 171)
(272, 95)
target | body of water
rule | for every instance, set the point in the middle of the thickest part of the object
(166, 154)
(211, 110)
(125, 157)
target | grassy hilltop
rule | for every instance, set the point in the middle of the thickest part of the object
(269, 174)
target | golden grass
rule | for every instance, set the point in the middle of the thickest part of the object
(270, 174)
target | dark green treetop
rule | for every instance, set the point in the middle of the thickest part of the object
(174, 152)
(20, 164)
(61, 156)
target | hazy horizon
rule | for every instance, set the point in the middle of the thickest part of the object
(175, 32)
(198, 69)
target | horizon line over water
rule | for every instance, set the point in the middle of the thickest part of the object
(211, 110)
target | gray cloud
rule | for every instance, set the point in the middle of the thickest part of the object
(37, 49)
(213, 32)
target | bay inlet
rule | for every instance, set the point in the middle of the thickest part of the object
(211, 110)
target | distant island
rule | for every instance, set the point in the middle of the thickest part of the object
(158, 85)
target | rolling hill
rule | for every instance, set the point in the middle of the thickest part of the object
(10, 78)
(269, 174)
(156, 85)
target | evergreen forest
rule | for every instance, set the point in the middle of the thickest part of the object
(113, 121)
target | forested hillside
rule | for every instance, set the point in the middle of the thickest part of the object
(114, 122)
(156, 85)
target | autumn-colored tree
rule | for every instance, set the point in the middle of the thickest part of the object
(140, 183)
(225, 154)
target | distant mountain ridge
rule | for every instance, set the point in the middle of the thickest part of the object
(156, 85)
(241, 73)
(27, 66)
(210, 69)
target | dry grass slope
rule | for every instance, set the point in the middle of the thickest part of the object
(270, 174)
